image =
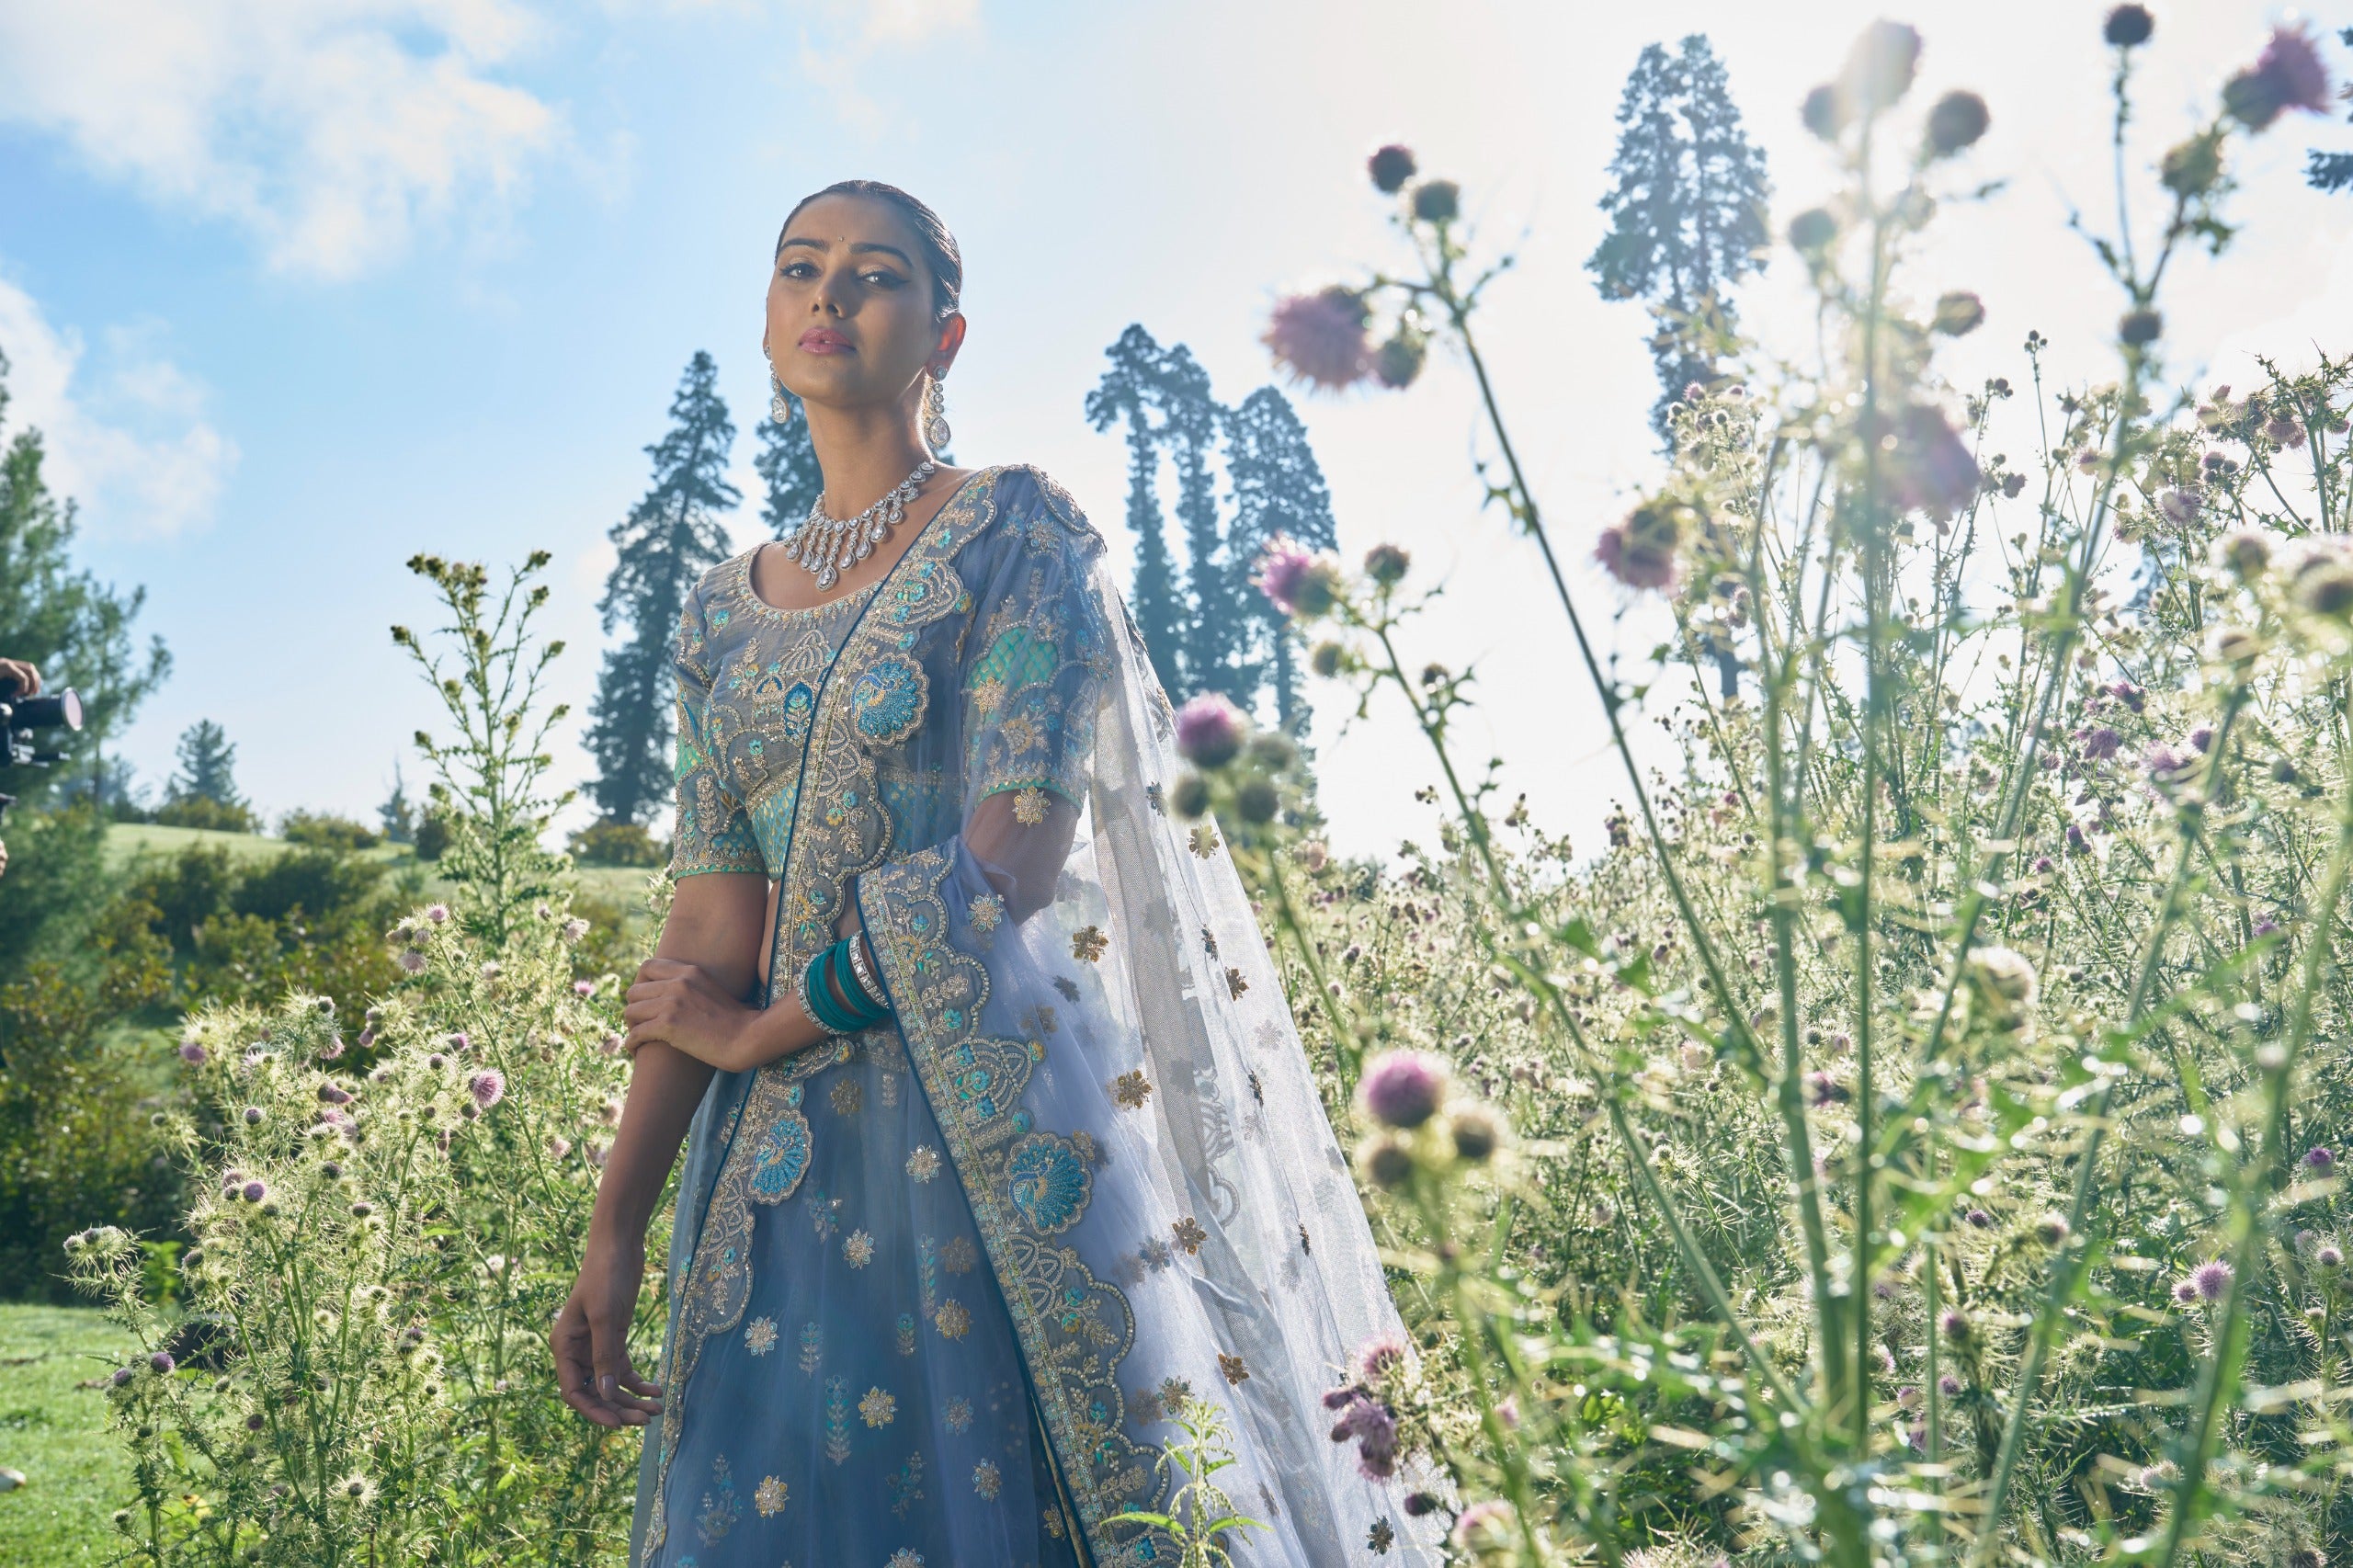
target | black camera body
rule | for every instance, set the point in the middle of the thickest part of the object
(21, 721)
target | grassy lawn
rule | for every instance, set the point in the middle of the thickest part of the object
(54, 1432)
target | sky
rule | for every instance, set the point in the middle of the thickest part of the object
(296, 288)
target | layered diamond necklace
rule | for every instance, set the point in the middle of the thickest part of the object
(827, 547)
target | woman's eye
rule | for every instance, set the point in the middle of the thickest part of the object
(799, 269)
(883, 279)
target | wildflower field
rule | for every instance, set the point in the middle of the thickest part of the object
(1910, 1139)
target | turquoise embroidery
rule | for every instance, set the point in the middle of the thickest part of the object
(783, 1154)
(800, 705)
(1048, 1182)
(886, 701)
(720, 1508)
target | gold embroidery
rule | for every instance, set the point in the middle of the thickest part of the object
(1235, 984)
(1090, 945)
(846, 1095)
(1132, 1089)
(770, 1499)
(760, 1337)
(1203, 841)
(1028, 806)
(1189, 1234)
(878, 1408)
(858, 1249)
(985, 1479)
(952, 1320)
(1235, 1372)
(923, 1164)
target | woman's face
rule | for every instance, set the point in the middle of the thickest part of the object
(850, 320)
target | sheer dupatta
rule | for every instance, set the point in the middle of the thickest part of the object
(1086, 999)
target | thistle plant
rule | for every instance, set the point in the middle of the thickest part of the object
(1922, 1104)
(393, 1209)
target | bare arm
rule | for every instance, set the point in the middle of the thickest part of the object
(715, 933)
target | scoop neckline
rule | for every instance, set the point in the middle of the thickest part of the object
(751, 594)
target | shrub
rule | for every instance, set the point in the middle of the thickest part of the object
(324, 830)
(201, 811)
(432, 839)
(618, 844)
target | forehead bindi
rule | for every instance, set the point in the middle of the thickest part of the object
(849, 224)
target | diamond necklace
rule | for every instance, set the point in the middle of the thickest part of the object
(827, 547)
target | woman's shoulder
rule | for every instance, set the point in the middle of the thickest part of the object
(1025, 507)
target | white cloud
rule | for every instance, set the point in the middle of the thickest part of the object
(328, 128)
(839, 34)
(129, 442)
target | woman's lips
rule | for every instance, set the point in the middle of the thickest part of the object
(820, 340)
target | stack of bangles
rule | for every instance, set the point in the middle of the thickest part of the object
(839, 991)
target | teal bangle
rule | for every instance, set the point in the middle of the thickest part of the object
(830, 975)
(820, 1005)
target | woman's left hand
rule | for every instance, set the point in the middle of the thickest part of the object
(682, 1007)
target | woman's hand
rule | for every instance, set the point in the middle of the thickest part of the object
(591, 1338)
(685, 1007)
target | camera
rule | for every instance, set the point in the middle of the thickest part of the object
(21, 721)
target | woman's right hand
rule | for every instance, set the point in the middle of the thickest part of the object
(591, 1338)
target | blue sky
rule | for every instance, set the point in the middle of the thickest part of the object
(302, 287)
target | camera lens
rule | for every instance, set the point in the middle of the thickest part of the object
(58, 708)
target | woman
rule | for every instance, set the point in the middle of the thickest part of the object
(1002, 1153)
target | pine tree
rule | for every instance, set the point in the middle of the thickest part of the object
(787, 466)
(1189, 419)
(73, 628)
(1686, 212)
(208, 767)
(1278, 491)
(398, 811)
(1124, 396)
(668, 541)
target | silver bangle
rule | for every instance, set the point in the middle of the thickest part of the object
(864, 973)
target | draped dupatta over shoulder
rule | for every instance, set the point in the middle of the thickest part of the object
(1084, 1003)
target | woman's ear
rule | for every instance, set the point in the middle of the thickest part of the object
(951, 341)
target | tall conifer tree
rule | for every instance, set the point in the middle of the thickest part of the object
(787, 466)
(67, 624)
(1190, 418)
(668, 541)
(1124, 396)
(208, 767)
(1279, 493)
(1687, 211)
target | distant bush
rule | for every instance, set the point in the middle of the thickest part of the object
(618, 844)
(198, 810)
(432, 839)
(324, 830)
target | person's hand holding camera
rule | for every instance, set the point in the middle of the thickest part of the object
(17, 679)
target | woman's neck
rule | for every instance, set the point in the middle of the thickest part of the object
(864, 453)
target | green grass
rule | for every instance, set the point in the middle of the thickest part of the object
(55, 1432)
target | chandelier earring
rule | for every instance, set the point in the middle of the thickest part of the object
(779, 405)
(935, 414)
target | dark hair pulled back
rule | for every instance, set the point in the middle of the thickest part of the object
(940, 257)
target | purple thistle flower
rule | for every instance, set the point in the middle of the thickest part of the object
(1403, 1088)
(437, 913)
(1640, 551)
(1933, 469)
(2100, 743)
(2287, 75)
(1391, 167)
(2329, 1256)
(457, 1041)
(2133, 696)
(255, 1115)
(411, 961)
(1979, 1220)
(255, 1191)
(2185, 1291)
(162, 1363)
(583, 988)
(123, 1375)
(1282, 566)
(1909, 1397)
(334, 1094)
(2165, 764)
(487, 1087)
(367, 1037)
(2075, 841)
(1482, 1523)
(1949, 1385)
(1320, 338)
(2319, 1161)
(2211, 1280)
(1379, 1356)
(192, 1054)
(1955, 1325)
(1209, 730)
(2179, 507)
